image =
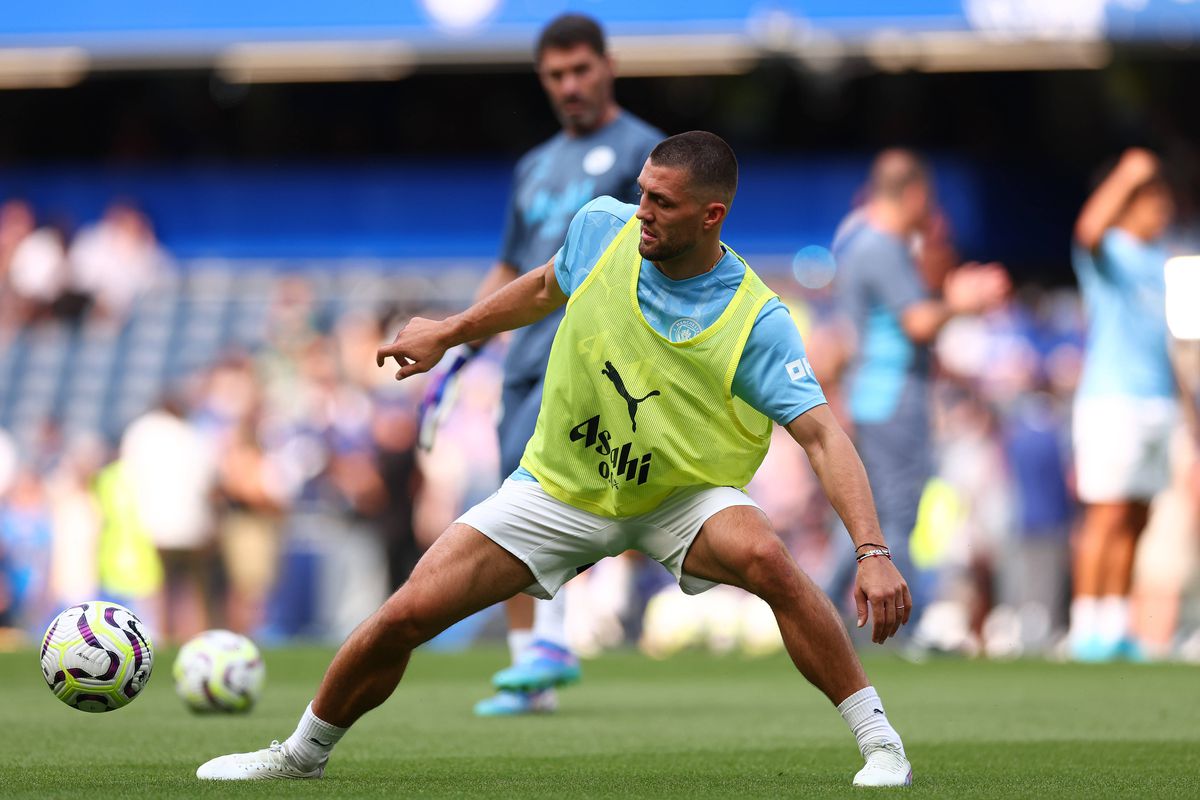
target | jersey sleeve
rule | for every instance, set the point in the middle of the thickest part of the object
(774, 376)
(591, 231)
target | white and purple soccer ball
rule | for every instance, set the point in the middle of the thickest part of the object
(97, 656)
(219, 671)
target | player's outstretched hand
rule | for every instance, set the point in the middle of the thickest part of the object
(881, 594)
(417, 347)
(974, 288)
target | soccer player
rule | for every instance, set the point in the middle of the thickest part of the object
(1125, 407)
(599, 151)
(672, 360)
(896, 316)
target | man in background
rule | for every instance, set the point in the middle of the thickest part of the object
(895, 317)
(1125, 407)
(599, 151)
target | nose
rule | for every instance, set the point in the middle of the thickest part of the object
(570, 84)
(643, 213)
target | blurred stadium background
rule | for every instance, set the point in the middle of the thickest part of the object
(214, 212)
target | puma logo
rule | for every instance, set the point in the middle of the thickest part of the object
(611, 373)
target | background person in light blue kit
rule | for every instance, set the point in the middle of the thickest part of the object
(600, 151)
(1125, 407)
(895, 317)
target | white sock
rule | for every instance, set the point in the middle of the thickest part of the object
(519, 640)
(1113, 618)
(863, 712)
(313, 740)
(1085, 614)
(550, 620)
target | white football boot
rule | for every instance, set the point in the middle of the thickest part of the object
(259, 765)
(886, 766)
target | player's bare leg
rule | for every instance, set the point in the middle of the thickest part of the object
(463, 572)
(1103, 574)
(519, 611)
(737, 546)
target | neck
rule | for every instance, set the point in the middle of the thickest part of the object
(696, 262)
(887, 218)
(610, 113)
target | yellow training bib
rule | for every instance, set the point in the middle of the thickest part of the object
(627, 415)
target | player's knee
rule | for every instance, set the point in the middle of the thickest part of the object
(770, 570)
(402, 623)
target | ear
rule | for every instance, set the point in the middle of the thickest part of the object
(714, 215)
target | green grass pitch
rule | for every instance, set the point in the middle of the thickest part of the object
(691, 727)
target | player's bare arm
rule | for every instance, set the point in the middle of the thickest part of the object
(421, 343)
(1105, 204)
(969, 289)
(500, 275)
(879, 586)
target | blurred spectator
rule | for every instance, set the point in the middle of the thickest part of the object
(172, 475)
(249, 526)
(252, 495)
(1035, 578)
(394, 430)
(117, 259)
(25, 541)
(895, 317)
(39, 274)
(1125, 408)
(77, 520)
(16, 222)
(1167, 556)
(129, 568)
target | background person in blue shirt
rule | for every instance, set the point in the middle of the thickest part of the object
(895, 316)
(599, 151)
(1125, 406)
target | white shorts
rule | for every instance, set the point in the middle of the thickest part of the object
(557, 541)
(1121, 447)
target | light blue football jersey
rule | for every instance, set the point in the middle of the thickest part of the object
(1124, 292)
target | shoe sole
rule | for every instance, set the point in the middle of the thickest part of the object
(907, 782)
(538, 686)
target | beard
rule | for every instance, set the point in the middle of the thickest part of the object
(663, 249)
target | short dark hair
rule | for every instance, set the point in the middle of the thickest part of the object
(894, 170)
(568, 30)
(707, 158)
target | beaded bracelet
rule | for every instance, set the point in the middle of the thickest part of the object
(883, 551)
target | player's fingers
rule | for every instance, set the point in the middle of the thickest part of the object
(410, 369)
(901, 609)
(890, 617)
(386, 352)
(908, 602)
(879, 609)
(860, 600)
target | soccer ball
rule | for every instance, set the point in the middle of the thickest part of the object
(97, 656)
(219, 671)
